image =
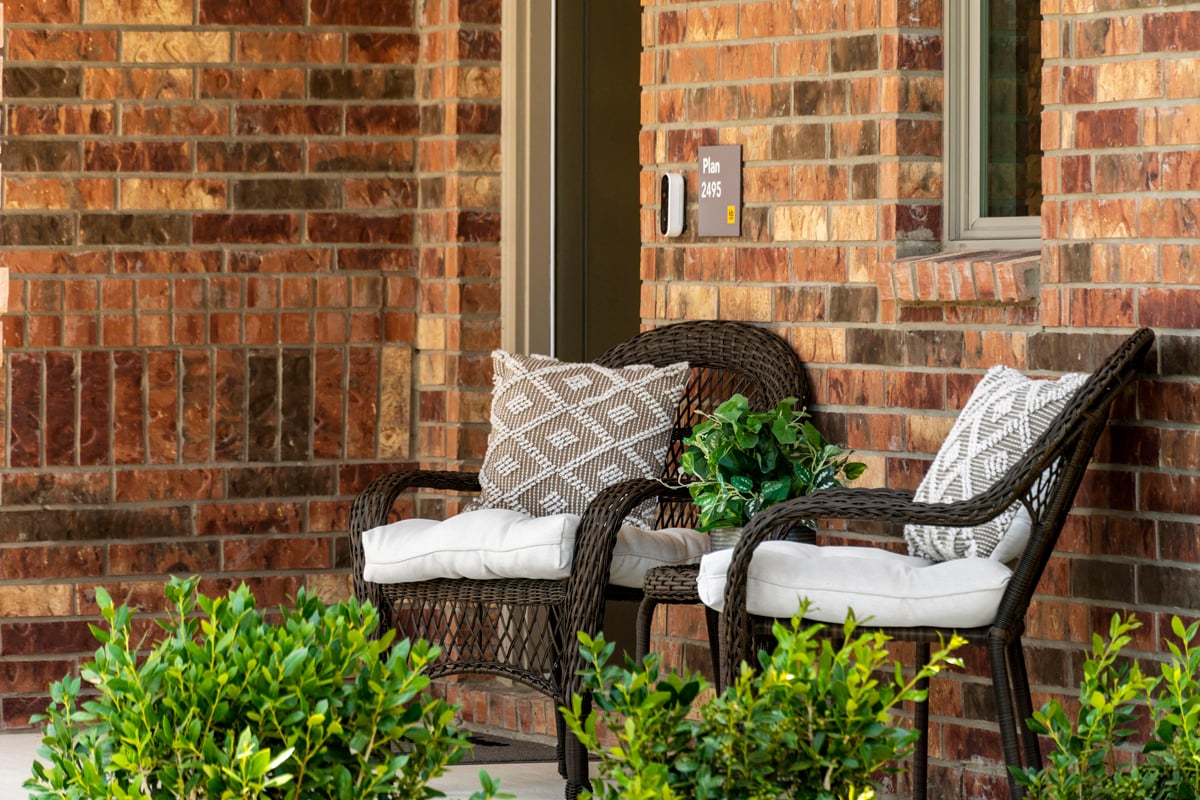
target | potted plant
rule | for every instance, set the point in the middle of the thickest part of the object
(812, 721)
(231, 705)
(743, 461)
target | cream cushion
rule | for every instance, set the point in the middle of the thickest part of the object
(499, 543)
(887, 588)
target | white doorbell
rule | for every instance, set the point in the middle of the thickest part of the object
(670, 204)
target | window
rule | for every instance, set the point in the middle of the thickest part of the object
(993, 119)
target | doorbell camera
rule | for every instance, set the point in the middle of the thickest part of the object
(670, 204)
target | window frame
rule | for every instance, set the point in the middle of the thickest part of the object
(966, 226)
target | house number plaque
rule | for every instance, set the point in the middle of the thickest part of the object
(721, 190)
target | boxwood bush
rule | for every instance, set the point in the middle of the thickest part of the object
(231, 705)
(812, 722)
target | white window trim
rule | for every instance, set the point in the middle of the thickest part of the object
(966, 227)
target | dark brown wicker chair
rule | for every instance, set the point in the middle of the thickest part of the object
(526, 629)
(1045, 481)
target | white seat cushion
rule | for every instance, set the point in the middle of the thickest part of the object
(498, 543)
(638, 550)
(890, 589)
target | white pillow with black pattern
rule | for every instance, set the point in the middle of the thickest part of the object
(1001, 420)
(563, 431)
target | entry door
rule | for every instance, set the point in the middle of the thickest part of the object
(596, 208)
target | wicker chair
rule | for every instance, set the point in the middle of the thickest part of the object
(1044, 481)
(526, 629)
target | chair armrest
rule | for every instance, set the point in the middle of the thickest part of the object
(373, 505)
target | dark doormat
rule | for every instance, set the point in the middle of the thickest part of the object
(491, 749)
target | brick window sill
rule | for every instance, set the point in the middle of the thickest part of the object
(988, 278)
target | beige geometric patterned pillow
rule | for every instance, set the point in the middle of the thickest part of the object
(561, 432)
(1002, 419)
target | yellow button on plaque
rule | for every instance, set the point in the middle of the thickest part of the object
(730, 214)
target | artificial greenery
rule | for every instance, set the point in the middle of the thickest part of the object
(812, 722)
(1091, 758)
(229, 705)
(744, 461)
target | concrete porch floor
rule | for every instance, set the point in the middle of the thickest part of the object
(538, 781)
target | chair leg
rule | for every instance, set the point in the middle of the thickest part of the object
(560, 749)
(712, 621)
(1020, 682)
(644, 618)
(920, 769)
(998, 655)
(576, 760)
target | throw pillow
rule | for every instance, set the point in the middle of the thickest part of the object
(561, 432)
(1004, 416)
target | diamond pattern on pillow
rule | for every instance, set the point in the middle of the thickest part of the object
(561, 432)
(1002, 419)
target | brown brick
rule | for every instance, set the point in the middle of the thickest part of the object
(1174, 587)
(127, 229)
(359, 229)
(137, 156)
(918, 51)
(289, 46)
(32, 676)
(55, 193)
(286, 120)
(46, 638)
(712, 23)
(264, 194)
(299, 481)
(389, 15)
(373, 84)
(1106, 128)
(37, 230)
(57, 12)
(164, 558)
(79, 488)
(83, 525)
(1171, 31)
(180, 47)
(39, 155)
(854, 53)
(233, 84)
(1169, 308)
(59, 120)
(1107, 36)
(170, 193)
(403, 48)
(172, 83)
(42, 82)
(262, 12)
(62, 45)
(168, 12)
(235, 228)
(1129, 80)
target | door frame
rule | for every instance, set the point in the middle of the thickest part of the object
(527, 176)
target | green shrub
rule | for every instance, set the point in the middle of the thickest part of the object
(229, 705)
(1091, 757)
(813, 722)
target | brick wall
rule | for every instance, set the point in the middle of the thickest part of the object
(838, 105)
(251, 244)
